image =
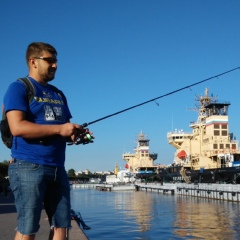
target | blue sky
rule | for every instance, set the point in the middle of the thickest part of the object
(114, 54)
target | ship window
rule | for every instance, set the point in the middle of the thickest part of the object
(224, 126)
(216, 126)
(224, 133)
(216, 132)
(221, 146)
(215, 146)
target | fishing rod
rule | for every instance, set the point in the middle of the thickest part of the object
(88, 136)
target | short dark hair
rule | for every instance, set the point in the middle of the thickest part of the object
(36, 48)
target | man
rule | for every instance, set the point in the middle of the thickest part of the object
(40, 129)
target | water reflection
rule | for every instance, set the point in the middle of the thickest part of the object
(138, 206)
(205, 219)
(150, 215)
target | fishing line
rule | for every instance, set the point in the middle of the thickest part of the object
(154, 99)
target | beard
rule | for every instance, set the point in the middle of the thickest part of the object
(48, 75)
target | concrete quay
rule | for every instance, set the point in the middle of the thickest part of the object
(112, 187)
(8, 222)
(157, 187)
(104, 187)
(226, 192)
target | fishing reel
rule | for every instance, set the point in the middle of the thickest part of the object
(83, 138)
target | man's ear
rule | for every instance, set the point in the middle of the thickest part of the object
(32, 63)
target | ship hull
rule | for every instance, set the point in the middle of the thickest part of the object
(215, 175)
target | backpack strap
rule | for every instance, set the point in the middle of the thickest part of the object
(29, 86)
(30, 91)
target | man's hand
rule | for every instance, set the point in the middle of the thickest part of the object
(70, 130)
(82, 137)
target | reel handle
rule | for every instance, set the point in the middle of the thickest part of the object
(83, 138)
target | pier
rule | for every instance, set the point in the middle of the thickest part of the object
(104, 188)
(115, 187)
(84, 185)
(157, 188)
(8, 219)
(226, 192)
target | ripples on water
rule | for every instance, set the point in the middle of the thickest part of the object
(127, 215)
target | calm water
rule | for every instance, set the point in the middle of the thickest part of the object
(148, 215)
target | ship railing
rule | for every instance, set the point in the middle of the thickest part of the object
(193, 123)
(178, 132)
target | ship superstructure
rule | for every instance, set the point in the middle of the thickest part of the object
(142, 160)
(210, 145)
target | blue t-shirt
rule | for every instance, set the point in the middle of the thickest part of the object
(47, 107)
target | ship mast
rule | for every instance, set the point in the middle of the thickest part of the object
(201, 103)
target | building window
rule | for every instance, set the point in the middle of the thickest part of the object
(216, 126)
(216, 132)
(234, 146)
(227, 146)
(221, 146)
(215, 146)
(224, 126)
(224, 133)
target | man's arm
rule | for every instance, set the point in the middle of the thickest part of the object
(20, 127)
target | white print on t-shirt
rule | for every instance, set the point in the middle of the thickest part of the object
(52, 113)
(58, 113)
(47, 94)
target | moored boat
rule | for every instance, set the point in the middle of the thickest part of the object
(141, 163)
(210, 153)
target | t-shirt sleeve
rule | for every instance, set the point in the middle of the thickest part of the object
(16, 97)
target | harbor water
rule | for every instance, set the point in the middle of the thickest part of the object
(144, 215)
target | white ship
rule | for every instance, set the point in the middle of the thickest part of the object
(120, 176)
(141, 163)
(210, 152)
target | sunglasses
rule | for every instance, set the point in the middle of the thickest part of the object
(48, 59)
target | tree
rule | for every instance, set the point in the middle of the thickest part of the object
(71, 173)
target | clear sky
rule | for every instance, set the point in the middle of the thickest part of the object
(114, 54)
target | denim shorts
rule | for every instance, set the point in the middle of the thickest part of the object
(35, 186)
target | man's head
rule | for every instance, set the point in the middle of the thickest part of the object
(42, 61)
